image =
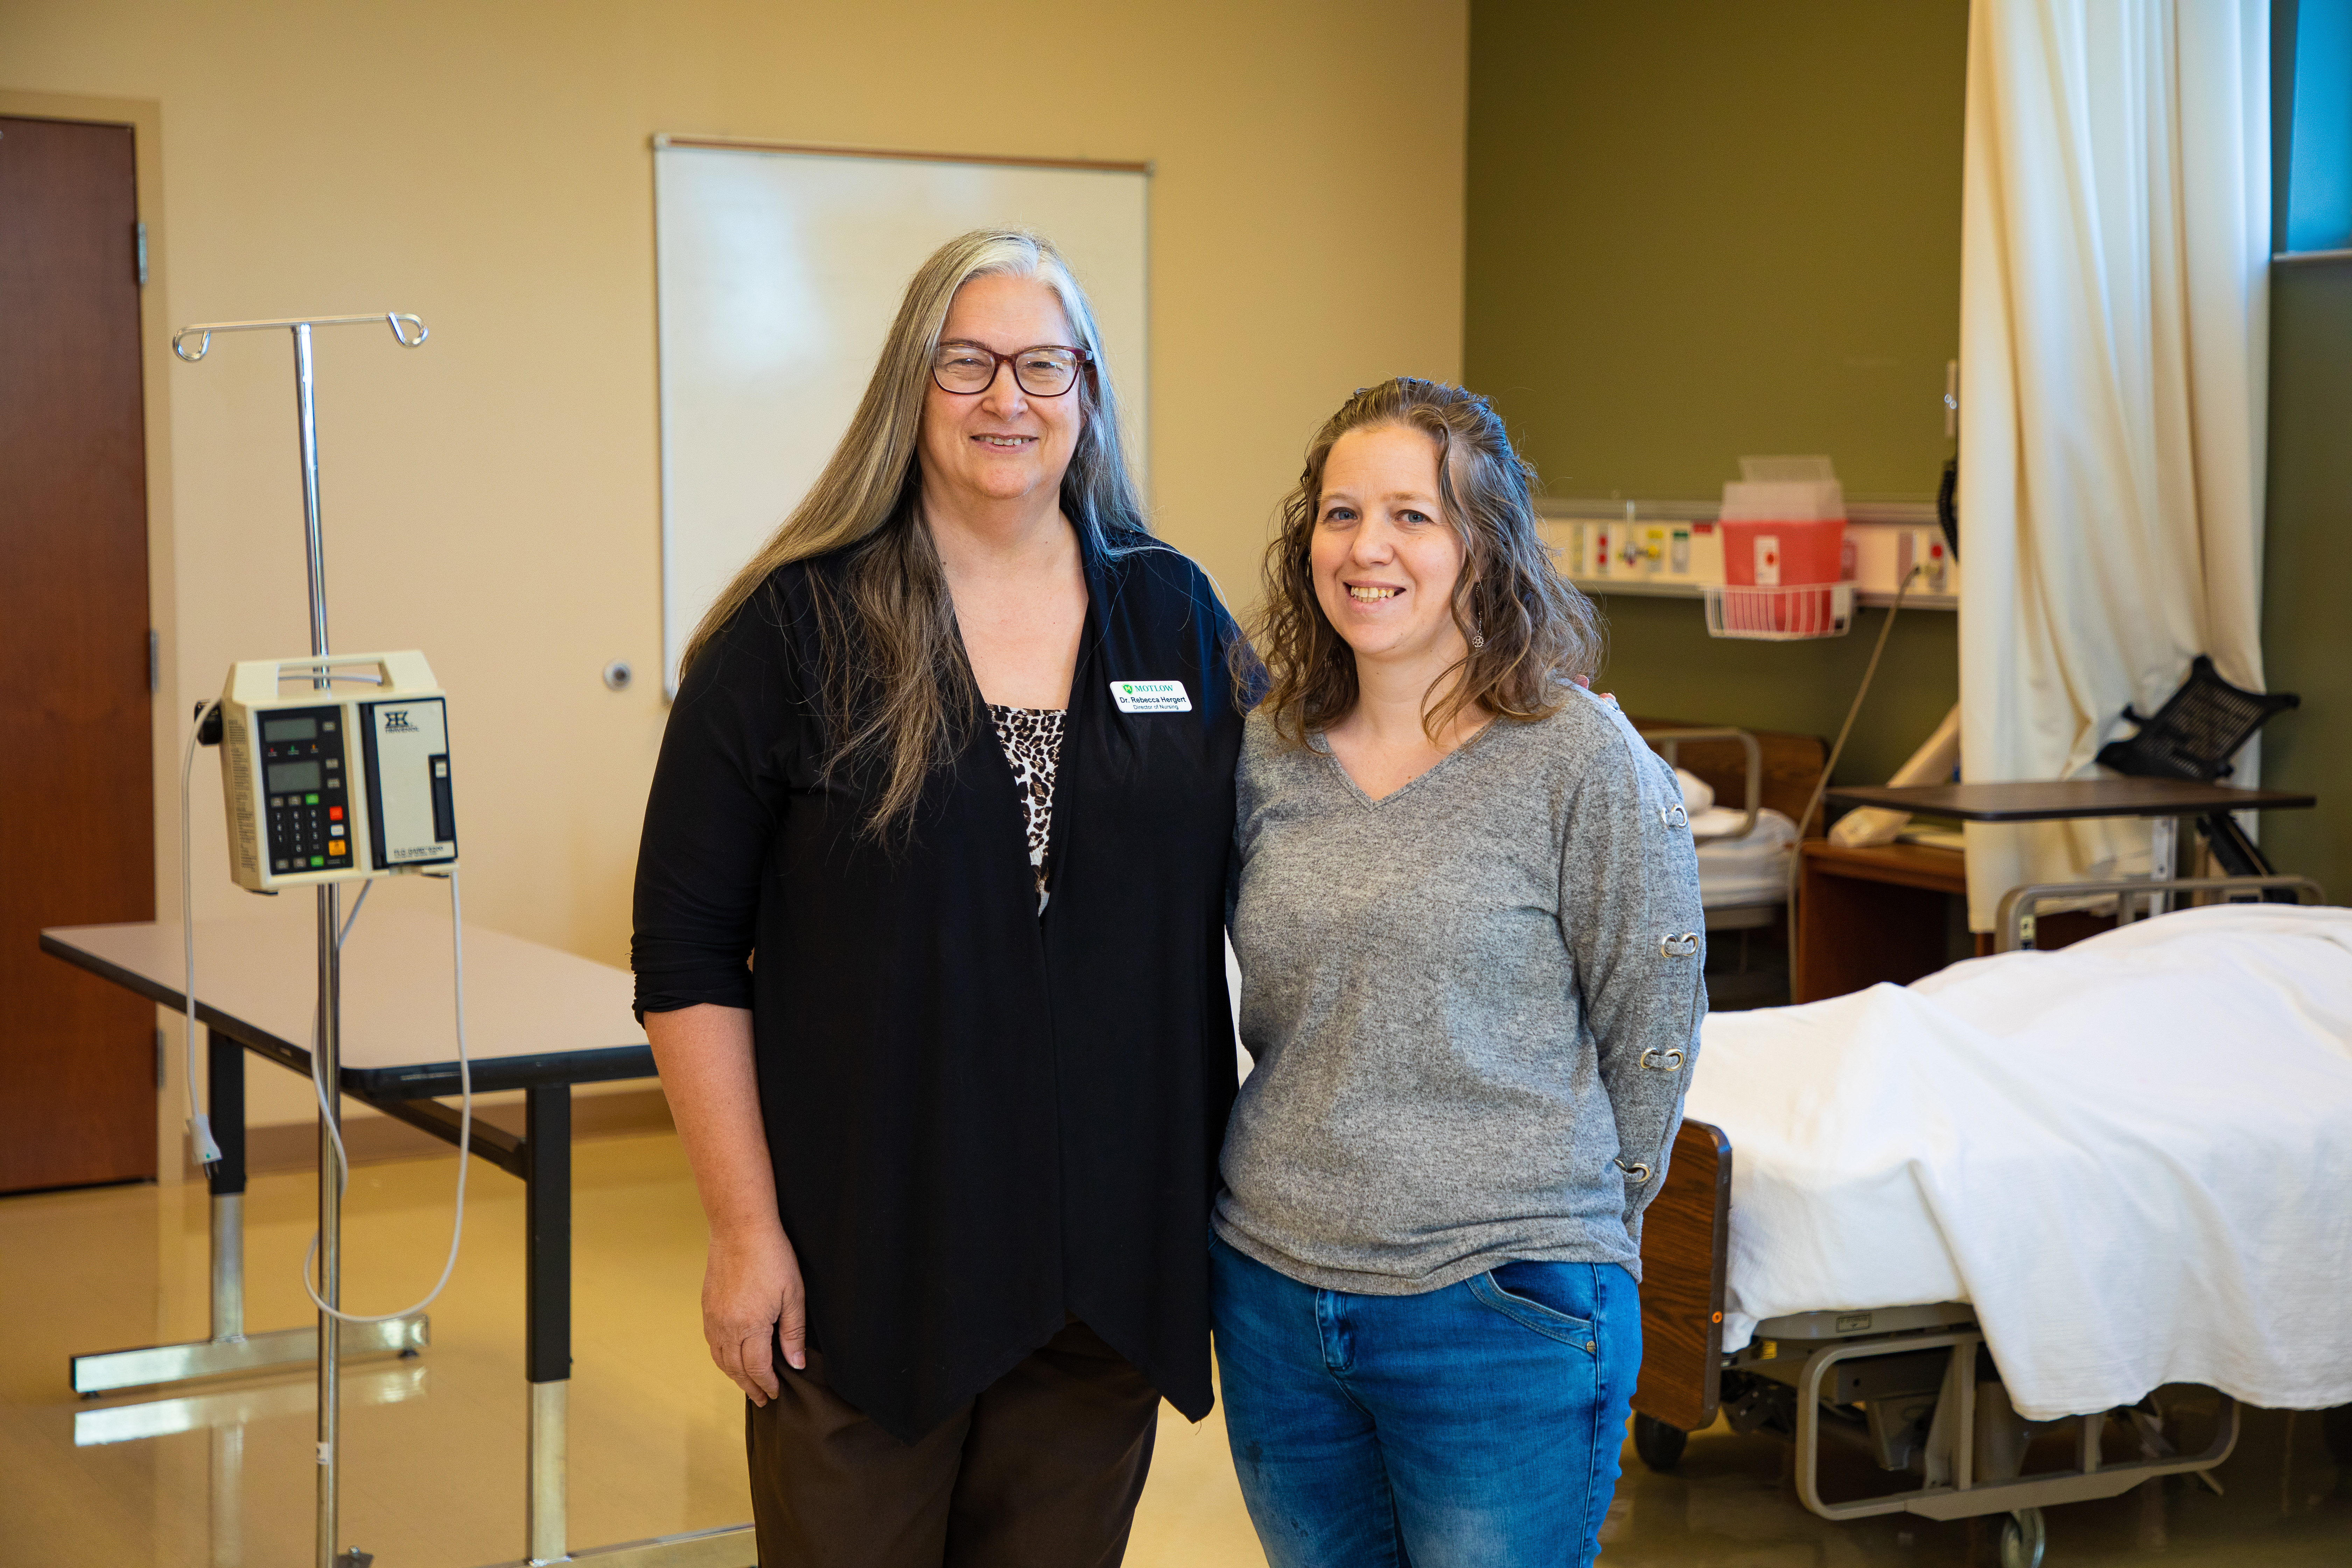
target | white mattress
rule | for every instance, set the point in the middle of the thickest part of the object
(1750, 869)
(2134, 1156)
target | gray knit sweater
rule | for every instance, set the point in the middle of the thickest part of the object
(1467, 1002)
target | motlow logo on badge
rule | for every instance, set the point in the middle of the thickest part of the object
(1150, 697)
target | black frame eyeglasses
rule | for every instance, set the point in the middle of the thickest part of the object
(1081, 361)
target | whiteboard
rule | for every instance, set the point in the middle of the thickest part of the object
(778, 273)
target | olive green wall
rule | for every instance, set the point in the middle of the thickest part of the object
(1699, 228)
(2307, 569)
(2308, 545)
(1661, 664)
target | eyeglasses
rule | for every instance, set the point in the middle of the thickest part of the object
(1042, 370)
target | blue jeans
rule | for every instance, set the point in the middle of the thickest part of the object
(1475, 1426)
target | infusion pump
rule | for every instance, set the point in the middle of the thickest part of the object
(339, 783)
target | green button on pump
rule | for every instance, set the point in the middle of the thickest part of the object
(310, 800)
(318, 859)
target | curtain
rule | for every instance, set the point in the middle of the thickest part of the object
(2114, 345)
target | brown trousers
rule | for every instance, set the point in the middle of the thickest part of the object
(1042, 1470)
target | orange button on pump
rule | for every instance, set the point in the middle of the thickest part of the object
(334, 814)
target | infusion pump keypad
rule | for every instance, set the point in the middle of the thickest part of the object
(309, 808)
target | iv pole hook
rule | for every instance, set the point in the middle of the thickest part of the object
(402, 322)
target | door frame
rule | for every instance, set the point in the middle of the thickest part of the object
(165, 734)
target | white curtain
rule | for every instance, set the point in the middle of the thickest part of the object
(2114, 334)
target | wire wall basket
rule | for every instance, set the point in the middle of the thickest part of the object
(1779, 615)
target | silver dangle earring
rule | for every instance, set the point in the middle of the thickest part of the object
(1477, 639)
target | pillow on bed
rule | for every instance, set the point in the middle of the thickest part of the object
(1697, 793)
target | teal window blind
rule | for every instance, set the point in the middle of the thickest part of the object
(2311, 151)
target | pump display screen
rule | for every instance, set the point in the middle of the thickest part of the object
(308, 825)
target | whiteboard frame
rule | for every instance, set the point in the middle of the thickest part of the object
(826, 150)
(673, 637)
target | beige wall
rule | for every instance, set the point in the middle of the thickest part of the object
(493, 497)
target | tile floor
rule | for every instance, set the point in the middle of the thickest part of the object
(433, 1447)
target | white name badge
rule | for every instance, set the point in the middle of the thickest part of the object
(1150, 697)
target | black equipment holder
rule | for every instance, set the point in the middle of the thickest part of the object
(2193, 736)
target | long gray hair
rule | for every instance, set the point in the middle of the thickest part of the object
(898, 691)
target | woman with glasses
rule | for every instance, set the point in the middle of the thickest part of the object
(928, 943)
(1468, 924)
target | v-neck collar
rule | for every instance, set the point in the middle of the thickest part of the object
(1321, 744)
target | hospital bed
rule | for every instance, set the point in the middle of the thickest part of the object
(1835, 1306)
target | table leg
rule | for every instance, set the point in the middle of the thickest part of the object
(227, 1477)
(547, 1345)
(547, 1361)
(2163, 847)
(225, 1094)
(230, 1349)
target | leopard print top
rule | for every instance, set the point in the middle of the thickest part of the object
(1032, 739)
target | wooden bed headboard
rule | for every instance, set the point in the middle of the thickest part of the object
(1685, 1247)
(1792, 765)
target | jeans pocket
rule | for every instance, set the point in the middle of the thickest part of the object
(1522, 1306)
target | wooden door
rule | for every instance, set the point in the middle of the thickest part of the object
(78, 1057)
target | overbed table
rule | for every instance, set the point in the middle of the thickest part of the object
(537, 1020)
(1872, 914)
(2053, 800)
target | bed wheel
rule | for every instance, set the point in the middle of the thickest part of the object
(1660, 1445)
(2021, 1539)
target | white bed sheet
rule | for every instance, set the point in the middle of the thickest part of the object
(1752, 868)
(2132, 1155)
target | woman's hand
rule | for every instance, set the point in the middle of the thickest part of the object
(751, 1298)
(751, 1285)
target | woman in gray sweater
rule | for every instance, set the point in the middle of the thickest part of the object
(1467, 916)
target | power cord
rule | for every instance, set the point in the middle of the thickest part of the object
(1821, 786)
(200, 1132)
(464, 1125)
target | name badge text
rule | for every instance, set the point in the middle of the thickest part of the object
(1150, 697)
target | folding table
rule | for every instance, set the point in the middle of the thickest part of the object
(538, 1019)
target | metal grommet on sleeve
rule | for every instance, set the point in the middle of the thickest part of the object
(1668, 1060)
(1674, 815)
(1683, 946)
(1638, 1172)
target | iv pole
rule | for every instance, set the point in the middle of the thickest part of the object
(328, 1062)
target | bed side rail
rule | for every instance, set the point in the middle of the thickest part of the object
(1685, 1242)
(2013, 923)
(1667, 743)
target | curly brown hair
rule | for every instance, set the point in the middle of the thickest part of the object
(1530, 630)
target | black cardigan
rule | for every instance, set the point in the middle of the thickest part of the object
(981, 1119)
